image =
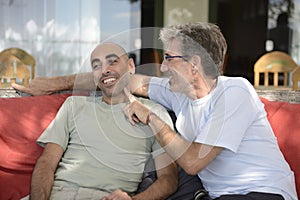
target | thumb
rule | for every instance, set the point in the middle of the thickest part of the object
(20, 88)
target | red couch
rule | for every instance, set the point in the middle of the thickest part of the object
(22, 120)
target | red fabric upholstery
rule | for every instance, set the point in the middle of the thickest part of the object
(285, 120)
(22, 120)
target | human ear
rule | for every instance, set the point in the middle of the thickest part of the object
(131, 66)
(196, 61)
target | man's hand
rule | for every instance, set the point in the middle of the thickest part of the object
(135, 111)
(38, 86)
(117, 195)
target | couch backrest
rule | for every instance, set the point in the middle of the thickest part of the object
(24, 119)
(285, 121)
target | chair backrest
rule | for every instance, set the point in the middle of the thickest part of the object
(275, 62)
(296, 78)
(16, 65)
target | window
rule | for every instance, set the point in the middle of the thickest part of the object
(60, 34)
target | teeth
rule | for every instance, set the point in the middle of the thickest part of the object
(109, 80)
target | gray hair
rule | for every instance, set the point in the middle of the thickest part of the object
(201, 38)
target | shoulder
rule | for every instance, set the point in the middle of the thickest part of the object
(149, 103)
(238, 84)
(236, 89)
(233, 81)
(79, 100)
(76, 99)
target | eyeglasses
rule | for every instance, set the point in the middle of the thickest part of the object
(169, 58)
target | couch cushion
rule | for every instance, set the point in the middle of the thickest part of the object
(284, 119)
(22, 121)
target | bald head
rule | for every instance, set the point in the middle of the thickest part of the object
(109, 49)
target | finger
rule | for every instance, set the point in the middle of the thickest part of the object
(127, 113)
(129, 95)
(135, 119)
(131, 120)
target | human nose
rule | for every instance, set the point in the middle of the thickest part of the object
(103, 70)
(106, 69)
(164, 66)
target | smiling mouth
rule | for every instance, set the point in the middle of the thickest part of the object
(109, 81)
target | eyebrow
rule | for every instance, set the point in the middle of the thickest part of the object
(106, 57)
(111, 55)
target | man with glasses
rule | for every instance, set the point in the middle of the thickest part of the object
(225, 136)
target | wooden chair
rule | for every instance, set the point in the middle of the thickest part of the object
(296, 78)
(276, 63)
(16, 65)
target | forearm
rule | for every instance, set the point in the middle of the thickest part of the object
(139, 85)
(50, 85)
(82, 81)
(172, 142)
(42, 181)
(60, 83)
(184, 152)
(160, 189)
(191, 156)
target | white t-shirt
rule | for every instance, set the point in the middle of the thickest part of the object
(102, 149)
(233, 117)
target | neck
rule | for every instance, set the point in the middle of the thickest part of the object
(204, 87)
(115, 99)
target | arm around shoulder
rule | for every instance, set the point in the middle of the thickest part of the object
(139, 85)
(50, 85)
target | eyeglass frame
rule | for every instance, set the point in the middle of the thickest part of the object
(166, 57)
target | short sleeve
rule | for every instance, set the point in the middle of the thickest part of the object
(159, 91)
(57, 132)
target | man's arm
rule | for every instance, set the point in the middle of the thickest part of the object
(167, 180)
(49, 85)
(139, 85)
(83, 81)
(43, 173)
(191, 156)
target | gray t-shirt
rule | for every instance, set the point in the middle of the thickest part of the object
(102, 149)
